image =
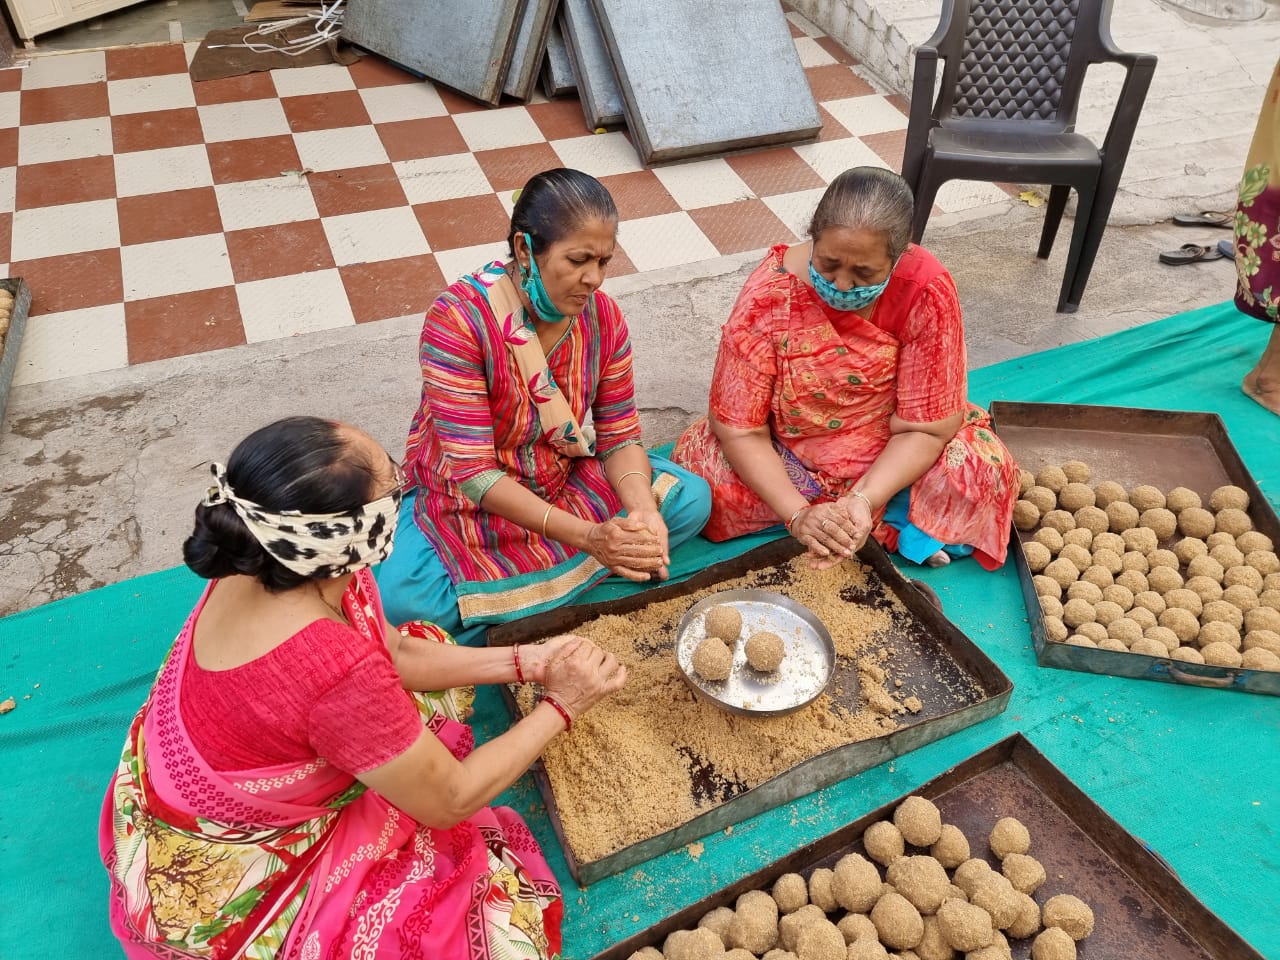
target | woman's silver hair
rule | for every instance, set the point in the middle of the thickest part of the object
(867, 198)
(555, 203)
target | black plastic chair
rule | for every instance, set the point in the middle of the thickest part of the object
(1006, 111)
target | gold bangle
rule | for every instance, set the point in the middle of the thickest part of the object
(865, 499)
(636, 473)
(545, 516)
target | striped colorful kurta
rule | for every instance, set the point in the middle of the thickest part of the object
(478, 422)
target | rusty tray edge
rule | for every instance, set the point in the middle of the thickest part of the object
(1148, 871)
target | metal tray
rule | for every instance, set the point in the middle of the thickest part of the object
(958, 683)
(13, 339)
(1166, 448)
(805, 670)
(1141, 909)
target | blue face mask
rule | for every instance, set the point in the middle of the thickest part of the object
(855, 298)
(531, 284)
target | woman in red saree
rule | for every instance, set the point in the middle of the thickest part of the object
(281, 794)
(838, 400)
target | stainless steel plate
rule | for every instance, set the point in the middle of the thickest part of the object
(805, 671)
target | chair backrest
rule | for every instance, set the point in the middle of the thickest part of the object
(1018, 61)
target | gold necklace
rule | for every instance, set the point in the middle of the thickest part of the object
(323, 599)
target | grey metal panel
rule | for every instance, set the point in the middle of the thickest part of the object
(464, 44)
(597, 84)
(557, 70)
(531, 43)
(708, 76)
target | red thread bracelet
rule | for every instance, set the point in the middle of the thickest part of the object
(515, 656)
(555, 704)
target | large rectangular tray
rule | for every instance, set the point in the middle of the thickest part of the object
(932, 643)
(13, 339)
(1141, 908)
(1165, 448)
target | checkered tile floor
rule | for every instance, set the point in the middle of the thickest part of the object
(155, 217)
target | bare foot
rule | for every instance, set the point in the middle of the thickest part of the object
(1267, 394)
(939, 559)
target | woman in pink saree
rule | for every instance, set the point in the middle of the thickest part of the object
(282, 794)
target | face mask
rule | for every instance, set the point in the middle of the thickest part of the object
(531, 284)
(855, 298)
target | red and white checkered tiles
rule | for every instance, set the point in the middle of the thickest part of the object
(155, 217)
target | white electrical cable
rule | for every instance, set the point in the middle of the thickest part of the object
(328, 24)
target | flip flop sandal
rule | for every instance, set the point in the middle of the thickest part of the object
(1227, 248)
(1190, 253)
(1205, 218)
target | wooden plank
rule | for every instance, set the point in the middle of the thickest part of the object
(597, 85)
(530, 48)
(717, 75)
(465, 44)
(558, 79)
(274, 10)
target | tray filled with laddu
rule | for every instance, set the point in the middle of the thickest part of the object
(757, 681)
(1146, 549)
(1001, 857)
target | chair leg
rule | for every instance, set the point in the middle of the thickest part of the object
(1099, 215)
(924, 195)
(1075, 257)
(1052, 218)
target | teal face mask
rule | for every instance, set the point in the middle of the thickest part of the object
(531, 284)
(855, 298)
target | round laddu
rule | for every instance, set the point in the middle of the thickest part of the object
(1227, 554)
(1111, 643)
(955, 893)
(1075, 553)
(1053, 944)
(969, 873)
(867, 950)
(1262, 640)
(1229, 497)
(1146, 497)
(1270, 598)
(697, 944)
(898, 923)
(1184, 598)
(1223, 610)
(933, 945)
(791, 924)
(1259, 659)
(1108, 492)
(1108, 560)
(1117, 594)
(737, 953)
(1076, 495)
(1215, 631)
(1187, 655)
(1046, 586)
(1026, 480)
(952, 847)
(1149, 647)
(996, 895)
(857, 926)
(765, 651)
(1108, 541)
(1028, 921)
(964, 926)
(883, 841)
(1196, 522)
(1253, 540)
(1055, 629)
(1052, 477)
(1234, 522)
(1094, 631)
(646, 953)
(1084, 590)
(723, 621)
(1205, 566)
(1243, 575)
(1076, 471)
(1025, 872)
(821, 940)
(1150, 600)
(1264, 561)
(820, 894)
(1271, 581)
(1099, 576)
(1163, 558)
(1050, 538)
(1220, 539)
(1180, 498)
(1188, 548)
(1124, 630)
(1037, 556)
(1206, 588)
(1069, 913)
(1142, 617)
(855, 883)
(790, 892)
(1121, 516)
(1076, 612)
(1163, 636)
(1105, 612)
(1262, 618)
(919, 821)
(1135, 580)
(720, 918)
(1241, 596)
(1161, 522)
(754, 925)
(1025, 515)
(1042, 498)
(1164, 579)
(922, 880)
(1092, 520)
(1058, 520)
(1141, 539)
(712, 659)
(1080, 640)
(1182, 622)
(1009, 836)
(1050, 606)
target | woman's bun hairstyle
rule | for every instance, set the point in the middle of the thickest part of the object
(556, 202)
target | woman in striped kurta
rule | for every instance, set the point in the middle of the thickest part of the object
(521, 503)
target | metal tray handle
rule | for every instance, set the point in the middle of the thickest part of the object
(1181, 676)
